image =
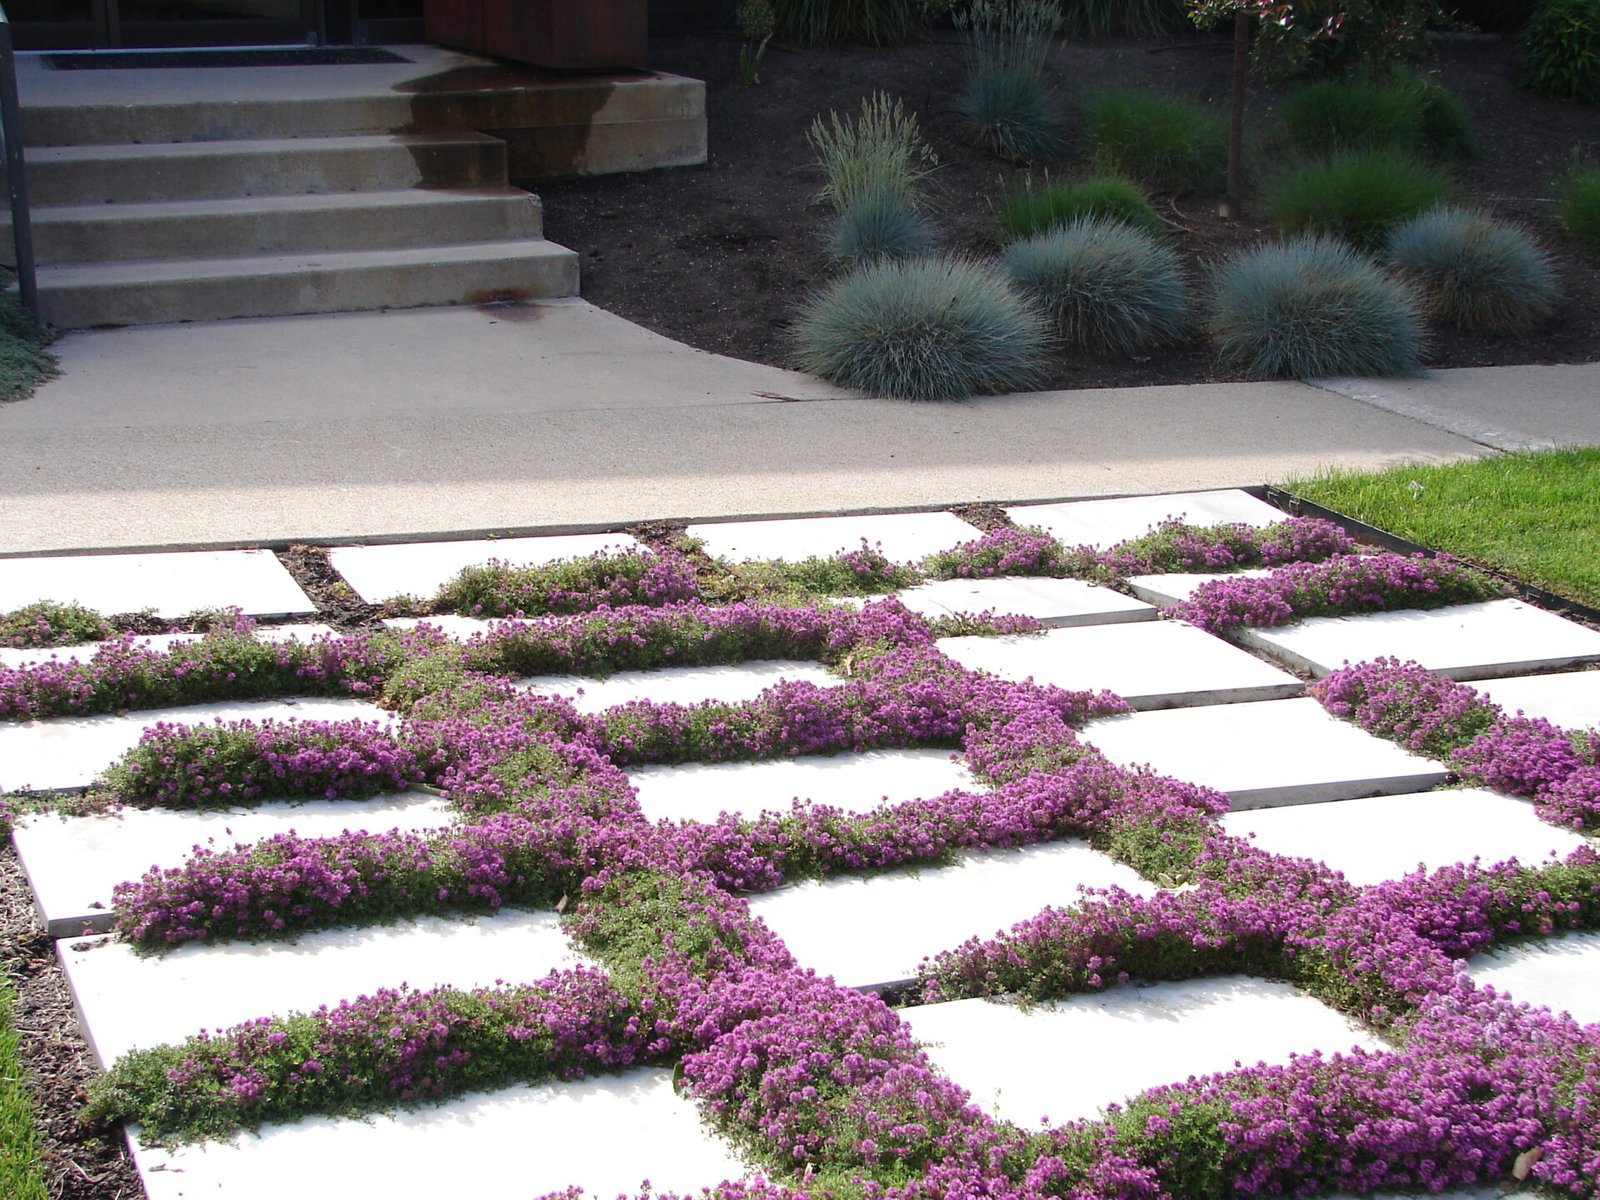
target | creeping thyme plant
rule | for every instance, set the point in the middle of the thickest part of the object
(824, 1088)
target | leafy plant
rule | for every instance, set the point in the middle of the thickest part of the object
(923, 329)
(1310, 37)
(1409, 115)
(1030, 211)
(822, 22)
(1561, 50)
(1578, 206)
(1473, 272)
(47, 623)
(1357, 195)
(881, 150)
(1312, 306)
(25, 361)
(880, 222)
(1161, 141)
(1112, 289)
(1003, 101)
(756, 22)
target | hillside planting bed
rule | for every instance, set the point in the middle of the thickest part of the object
(1057, 971)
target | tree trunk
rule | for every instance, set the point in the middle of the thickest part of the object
(1232, 205)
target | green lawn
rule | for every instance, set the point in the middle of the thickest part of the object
(1534, 516)
(21, 1177)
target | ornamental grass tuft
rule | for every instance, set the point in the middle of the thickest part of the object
(879, 222)
(827, 22)
(1163, 142)
(1356, 195)
(1408, 115)
(925, 329)
(1029, 211)
(1312, 306)
(1112, 289)
(1003, 101)
(881, 149)
(1473, 272)
(1578, 206)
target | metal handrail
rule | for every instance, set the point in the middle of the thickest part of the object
(16, 176)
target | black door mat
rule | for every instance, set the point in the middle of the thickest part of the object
(294, 56)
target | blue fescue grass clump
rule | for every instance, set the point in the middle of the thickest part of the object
(1355, 195)
(923, 329)
(1578, 206)
(879, 223)
(1407, 114)
(1003, 101)
(1031, 210)
(1473, 272)
(1310, 307)
(1163, 142)
(1112, 289)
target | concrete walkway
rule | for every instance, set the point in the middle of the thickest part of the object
(560, 416)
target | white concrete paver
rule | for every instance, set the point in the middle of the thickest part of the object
(903, 537)
(127, 1000)
(83, 651)
(1104, 523)
(70, 752)
(1464, 641)
(1070, 1058)
(379, 573)
(1174, 586)
(1570, 699)
(1561, 973)
(606, 1134)
(875, 929)
(1056, 602)
(170, 584)
(73, 863)
(1387, 837)
(1155, 664)
(729, 684)
(1265, 754)
(857, 783)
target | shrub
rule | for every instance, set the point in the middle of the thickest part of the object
(1003, 102)
(818, 22)
(1561, 50)
(1415, 115)
(923, 329)
(1027, 212)
(880, 222)
(1111, 288)
(1355, 195)
(1473, 272)
(1578, 206)
(882, 149)
(1312, 306)
(1160, 141)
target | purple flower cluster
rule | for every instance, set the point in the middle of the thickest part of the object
(50, 624)
(1348, 583)
(609, 579)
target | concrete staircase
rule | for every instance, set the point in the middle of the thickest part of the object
(238, 206)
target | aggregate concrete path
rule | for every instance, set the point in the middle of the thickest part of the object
(560, 416)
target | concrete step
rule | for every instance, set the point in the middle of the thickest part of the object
(254, 225)
(77, 296)
(109, 174)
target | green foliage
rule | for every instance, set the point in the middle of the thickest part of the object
(757, 22)
(25, 362)
(1112, 289)
(824, 22)
(879, 223)
(863, 572)
(1163, 142)
(1356, 195)
(1411, 115)
(1473, 272)
(1561, 50)
(1309, 307)
(1578, 206)
(923, 329)
(1003, 102)
(1085, 19)
(1339, 37)
(882, 150)
(1029, 211)
(21, 1170)
(47, 623)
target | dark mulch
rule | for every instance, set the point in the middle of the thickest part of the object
(721, 255)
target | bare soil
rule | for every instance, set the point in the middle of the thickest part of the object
(721, 256)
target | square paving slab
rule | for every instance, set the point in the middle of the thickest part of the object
(1561, 973)
(171, 585)
(1168, 589)
(70, 752)
(73, 863)
(857, 783)
(732, 683)
(1058, 602)
(1070, 1058)
(867, 930)
(1104, 523)
(1265, 754)
(83, 651)
(380, 573)
(126, 1000)
(1465, 641)
(1387, 837)
(1570, 699)
(903, 537)
(1150, 664)
(607, 1135)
